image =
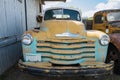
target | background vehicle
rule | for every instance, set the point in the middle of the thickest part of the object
(62, 47)
(108, 21)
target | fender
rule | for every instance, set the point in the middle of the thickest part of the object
(95, 34)
(115, 40)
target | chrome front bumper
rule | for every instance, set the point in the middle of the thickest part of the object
(46, 69)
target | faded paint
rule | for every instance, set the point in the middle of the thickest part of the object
(47, 66)
(101, 52)
(103, 26)
(95, 34)
(60, 50)
(66, 49)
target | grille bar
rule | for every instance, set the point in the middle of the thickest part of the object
(56, 46)
(69, 57)
(54, 51)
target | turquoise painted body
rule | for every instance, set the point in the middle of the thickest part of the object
(101, 52)
(31, 48)
(99, 55)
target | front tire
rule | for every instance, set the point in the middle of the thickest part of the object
(114, 55)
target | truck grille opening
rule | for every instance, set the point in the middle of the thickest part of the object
(66, 52)
(70, 65)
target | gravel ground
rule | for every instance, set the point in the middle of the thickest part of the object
(16, 74)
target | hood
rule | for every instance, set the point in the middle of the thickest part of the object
(115, 24)
(63, 28)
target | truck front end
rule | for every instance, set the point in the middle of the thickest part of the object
(63, 47)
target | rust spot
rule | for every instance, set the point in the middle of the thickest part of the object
(115, 39)
(47, 71)
(47, 65)
(26, 50)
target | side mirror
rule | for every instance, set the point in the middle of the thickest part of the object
(39, 18)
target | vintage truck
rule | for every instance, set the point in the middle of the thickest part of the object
(62, 46)
(108, 21)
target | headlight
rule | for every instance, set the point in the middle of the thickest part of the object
(104, 40)
(27, 39)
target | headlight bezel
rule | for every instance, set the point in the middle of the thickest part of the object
(104, 40)
(27, 36)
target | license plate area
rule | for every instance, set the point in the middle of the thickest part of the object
(33, 58)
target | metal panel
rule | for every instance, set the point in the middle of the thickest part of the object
(12, 22)
(2, 18)
(9, 56)
(11, 18)
(32, 12)
(18, 17)
(23, 17)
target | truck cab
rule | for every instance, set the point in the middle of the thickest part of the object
(63, 47)
(108, 21)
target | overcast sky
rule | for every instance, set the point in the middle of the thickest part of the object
(88, 7)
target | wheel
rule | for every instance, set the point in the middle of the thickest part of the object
(117, 67)
(114, 55)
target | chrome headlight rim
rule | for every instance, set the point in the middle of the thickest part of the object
(102, 40)
(27, 36)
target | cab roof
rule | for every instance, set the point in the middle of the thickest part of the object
(61, 8)
(107, 11)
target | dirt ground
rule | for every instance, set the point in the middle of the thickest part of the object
(17, 74)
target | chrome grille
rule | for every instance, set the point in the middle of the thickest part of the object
(67, 51)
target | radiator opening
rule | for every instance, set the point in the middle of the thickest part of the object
(73, 65)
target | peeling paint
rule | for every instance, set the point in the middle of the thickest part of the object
(83, 49)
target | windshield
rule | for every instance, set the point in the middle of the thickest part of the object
(64, 14)
(113, 16)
